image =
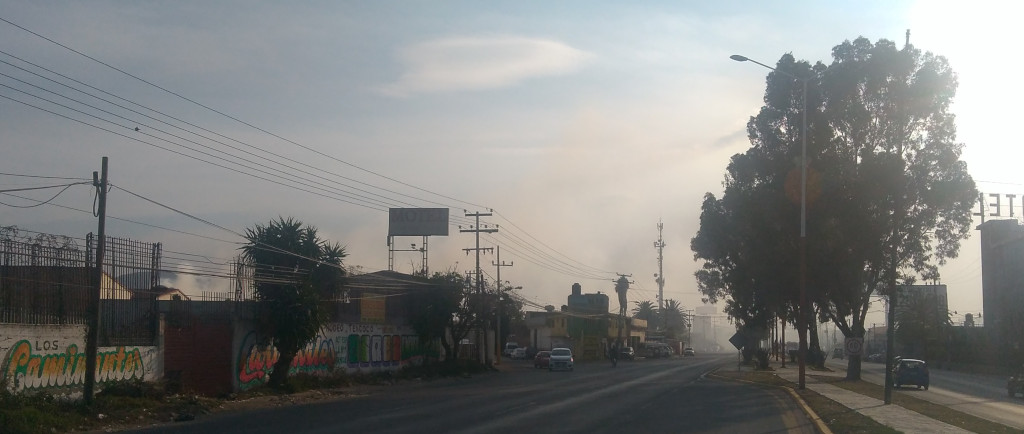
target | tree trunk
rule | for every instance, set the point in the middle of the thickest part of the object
(279, 376)
(448, 354)
(817, 356)
(853, 369)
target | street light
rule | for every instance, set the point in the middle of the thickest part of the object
(801, 316)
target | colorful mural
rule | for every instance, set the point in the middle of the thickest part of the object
(344, 347)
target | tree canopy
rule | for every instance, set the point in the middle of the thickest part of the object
(447, 312)
(294, 270)
(888, 197)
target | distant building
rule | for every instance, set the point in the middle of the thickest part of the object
(548, 330)
(161, 292)
(587, 303)
(934, 296)
(584, 324)
(1002, 285)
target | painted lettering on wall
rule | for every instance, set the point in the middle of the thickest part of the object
(256, 361)
(25, 368)
(346, 347)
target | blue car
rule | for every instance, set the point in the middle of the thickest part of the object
(910, 372)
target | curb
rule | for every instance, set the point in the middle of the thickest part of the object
(820, 424)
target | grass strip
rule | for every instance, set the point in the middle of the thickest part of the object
(927, 408)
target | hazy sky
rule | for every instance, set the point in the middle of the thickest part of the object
(581, 124)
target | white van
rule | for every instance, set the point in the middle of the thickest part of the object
(510, 347)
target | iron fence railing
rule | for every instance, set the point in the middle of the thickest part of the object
(46, 282)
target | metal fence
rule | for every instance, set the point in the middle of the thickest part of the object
(128, 309)
(43, 281)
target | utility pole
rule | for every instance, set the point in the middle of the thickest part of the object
(660, 245)
(497, 334)
(92, 338)
(479, 274)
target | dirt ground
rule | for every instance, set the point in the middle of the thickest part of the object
(182, 409)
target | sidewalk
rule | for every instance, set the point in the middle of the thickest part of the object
(894, 416)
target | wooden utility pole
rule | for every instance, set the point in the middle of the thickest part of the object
(92, 336)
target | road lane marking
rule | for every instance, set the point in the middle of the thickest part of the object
(509, 420)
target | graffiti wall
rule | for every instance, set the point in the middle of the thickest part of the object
(341, 347)
(52, 359)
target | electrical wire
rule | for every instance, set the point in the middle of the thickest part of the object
(536, 251)
(94, 126)
(66, 187)
(43, 177)
(229, 116)
(184, 122)
(126, 127)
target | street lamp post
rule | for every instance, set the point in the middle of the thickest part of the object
(802, 313)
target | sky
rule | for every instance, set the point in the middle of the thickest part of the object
(578, 125)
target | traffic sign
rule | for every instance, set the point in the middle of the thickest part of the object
(738, 340)
(854, 346)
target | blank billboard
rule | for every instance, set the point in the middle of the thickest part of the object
(417, 221)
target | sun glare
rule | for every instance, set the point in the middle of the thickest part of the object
(977, 38)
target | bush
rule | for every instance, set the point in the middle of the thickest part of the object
(132, 389)
(762, 359)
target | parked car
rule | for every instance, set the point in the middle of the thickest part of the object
(509, 348)
(657, 349)
(910, 372)
(519, 353)
(689, 352)
(542, 359)
(838, 353)
(627, 353)
(560, 359)
(1015, 384)
(876, 358)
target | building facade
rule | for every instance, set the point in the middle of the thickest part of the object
(1002, 286)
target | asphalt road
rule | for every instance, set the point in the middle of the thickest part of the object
(643, 396)
(979, 395)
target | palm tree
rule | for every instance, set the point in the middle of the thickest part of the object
(675, 320)
(293, 271)
(645, 310)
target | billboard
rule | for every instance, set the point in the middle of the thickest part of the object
(417, 222)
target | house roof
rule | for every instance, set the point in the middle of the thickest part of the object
(386, 280)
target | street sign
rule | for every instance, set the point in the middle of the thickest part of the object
(738, 340)
(854, 346)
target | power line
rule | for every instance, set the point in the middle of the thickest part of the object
(190, 124)
(306, 184)
(66, 187)
(525, 244)
(160, 147)
(44, 177)
(232, 117)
